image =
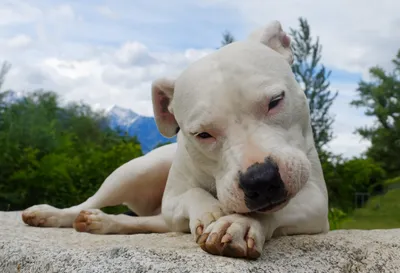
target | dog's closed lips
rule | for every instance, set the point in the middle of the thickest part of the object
(272, 206)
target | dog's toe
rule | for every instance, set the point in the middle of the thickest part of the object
(42, 216)
(93, 221)
(81, 223)
(238, 237)
(198, 227)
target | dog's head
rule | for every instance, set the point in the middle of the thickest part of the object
(243, 120)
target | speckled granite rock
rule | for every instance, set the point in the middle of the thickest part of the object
(29, 249)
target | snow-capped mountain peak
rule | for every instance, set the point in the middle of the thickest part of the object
(144, 128)
(122, 116)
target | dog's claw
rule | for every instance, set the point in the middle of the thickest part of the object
(212, 239)
(213, 244)
(81, 222)
(199, 230)
(250, 243)
(202, 239)
(235, 251)
(200, 224)
(226, 239)
(233, 237)
(253, 254)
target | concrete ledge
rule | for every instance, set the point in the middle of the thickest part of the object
(29, 249)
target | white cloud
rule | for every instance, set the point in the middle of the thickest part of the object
(107, 12)
(72, 69)
(355, 34)
(348, 144)
(134, 54)
(62, 12)
(75, 50)
(103, 81)
(18, 41)
(347, 120)
(16, 12)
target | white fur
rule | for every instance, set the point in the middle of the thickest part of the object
(225, 94)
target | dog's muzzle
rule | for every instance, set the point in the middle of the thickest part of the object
(263, 187)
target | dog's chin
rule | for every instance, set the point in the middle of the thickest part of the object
(266, 209)
(270, 208)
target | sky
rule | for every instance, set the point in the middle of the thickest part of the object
(107, 53)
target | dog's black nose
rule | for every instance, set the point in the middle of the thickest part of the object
(263, 186)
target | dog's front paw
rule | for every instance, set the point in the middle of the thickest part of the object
(203, 220)
(235, 236)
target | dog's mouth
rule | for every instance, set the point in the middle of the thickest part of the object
(271, 207)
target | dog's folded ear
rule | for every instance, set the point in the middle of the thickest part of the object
(274, 37)
(162, 91)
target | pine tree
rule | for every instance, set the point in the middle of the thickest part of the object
(313, 77)
(3, 72)
(227, 38)
(380, 97)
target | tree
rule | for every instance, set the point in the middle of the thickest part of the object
(314, 79)
(3, 72)
(160, 144)
(227, 38)
(55, 154)
(345, 178)
(380, 97)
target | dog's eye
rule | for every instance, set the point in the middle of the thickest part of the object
(275, 101)
(204, 135)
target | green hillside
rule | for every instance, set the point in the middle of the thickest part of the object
(381, 212)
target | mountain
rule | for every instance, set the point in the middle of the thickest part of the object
(144, 128)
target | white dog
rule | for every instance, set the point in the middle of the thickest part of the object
(244, 168)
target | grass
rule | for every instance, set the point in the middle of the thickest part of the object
(381, 212)
(115, 210)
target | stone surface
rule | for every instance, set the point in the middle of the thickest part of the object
(30, 249)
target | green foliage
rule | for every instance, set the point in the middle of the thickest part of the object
(313, 77)
(393, 183)
(380, 98)
(381, 212)
(335, 217)
(162, 144)
(344, 178)
(53, 154)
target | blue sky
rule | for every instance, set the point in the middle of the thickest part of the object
(107, 52)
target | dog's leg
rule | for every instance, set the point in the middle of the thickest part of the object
(186, 206)
(97, 222)
(244, 236)
(45, 215)
(138, 183)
